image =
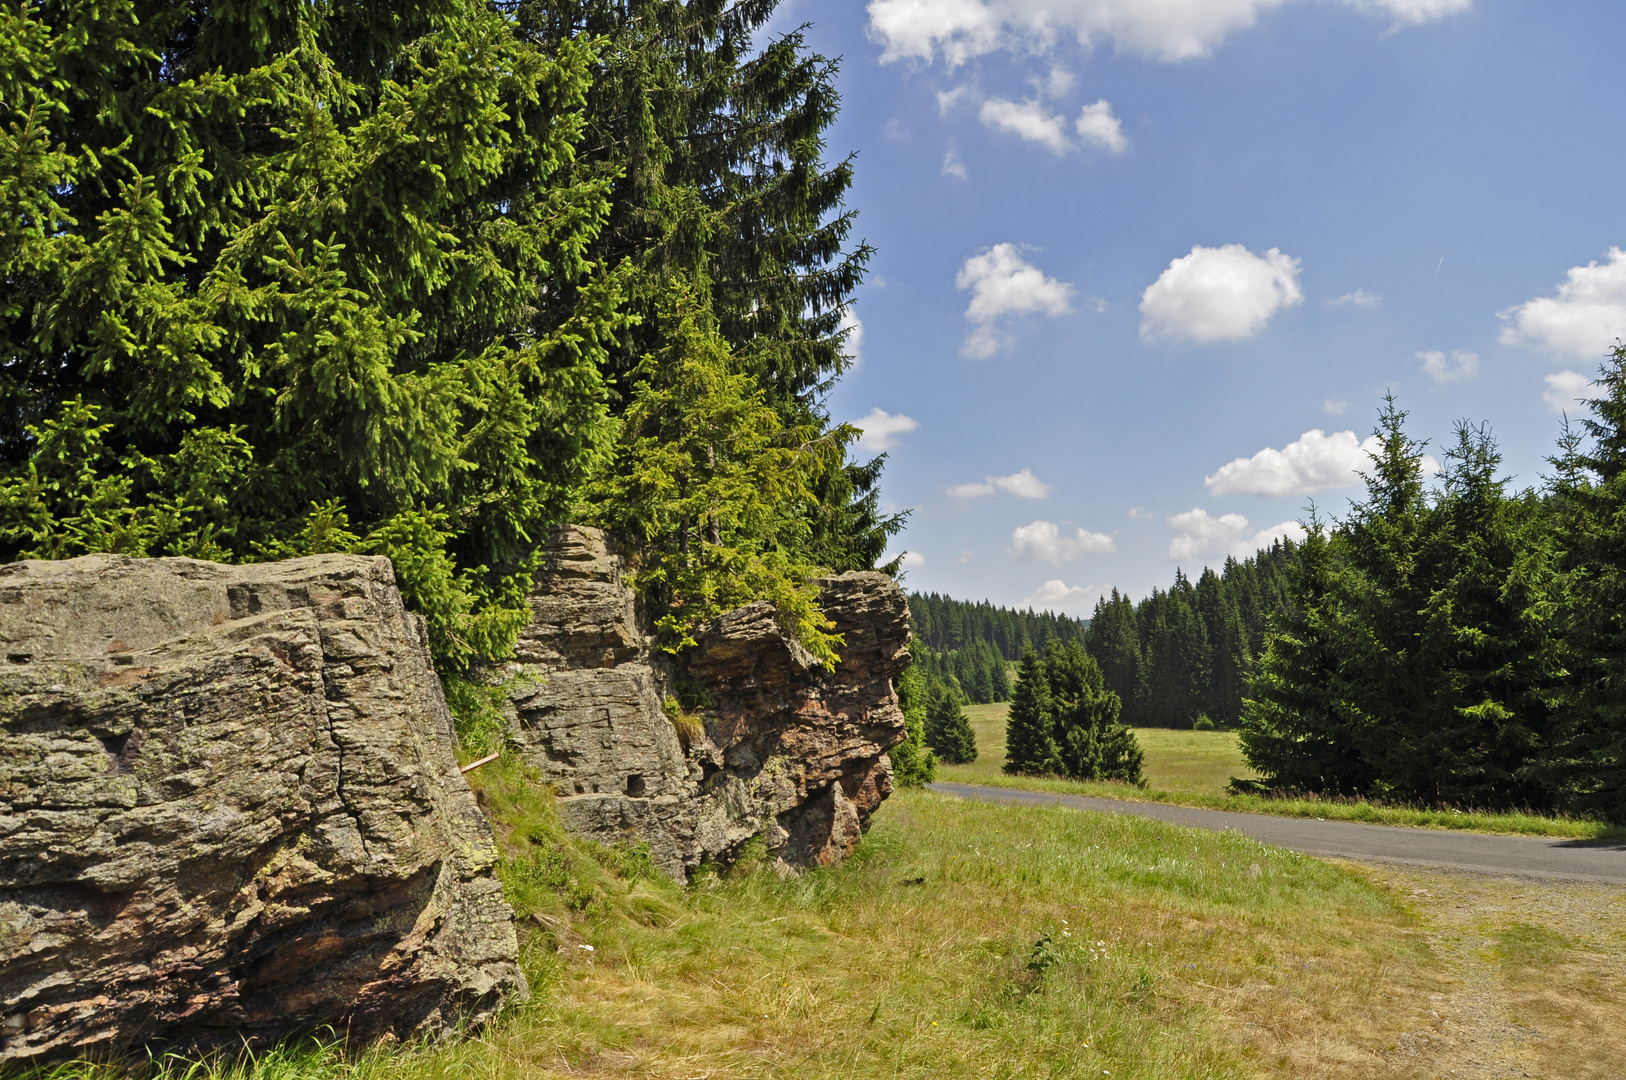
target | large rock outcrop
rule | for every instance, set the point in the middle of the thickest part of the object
(790, 751)
(229, 808)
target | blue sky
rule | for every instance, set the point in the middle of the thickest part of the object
(1145, 270)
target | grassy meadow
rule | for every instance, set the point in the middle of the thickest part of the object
(962, 940)
(1193, 768)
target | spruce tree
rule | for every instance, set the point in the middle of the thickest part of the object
(948, 730)
(1029, 745)
(1481, 664)
(1178, 659)
(1413, 661)
(913, 763)
(1228, 671)
(1295, 723)
(271, 265)
(713, 144)
(286, 275)
(1114, 641)
(712, 488)
(1586, 764)
(1091, 743)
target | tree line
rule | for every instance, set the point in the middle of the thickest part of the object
(944, 625)
(1185, 654)
(1460, 643)
(976, 673)
(424, 280)
(969, 647)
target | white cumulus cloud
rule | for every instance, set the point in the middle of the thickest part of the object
(1057, 595)
(1169, 30)
(1315, 461)
(1567, 391)
(953, 166)
(881, 429)
(1028, 119)
(912, 560)
(1359, 298)
(1218, 294)
(1201, 536)
(1583, 320)
(1024, 485)
(1097, 125)
(1044, 542)
(948, 99)
(1454, 368)
(1335, 406)
(1003, 284)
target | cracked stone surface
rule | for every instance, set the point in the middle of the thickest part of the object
(791, 752)
(230, 808)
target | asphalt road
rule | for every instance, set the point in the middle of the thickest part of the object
(1523, 856)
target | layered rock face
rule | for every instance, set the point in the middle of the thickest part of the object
(229, 808)
(790, 751)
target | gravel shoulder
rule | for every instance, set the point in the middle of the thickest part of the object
(1534, 976)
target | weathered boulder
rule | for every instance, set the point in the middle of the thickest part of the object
(790, 751)
(229, 808)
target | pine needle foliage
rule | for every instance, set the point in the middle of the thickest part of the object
(948, 729)
(1064, 721)
(1416, 661)
(1030, 746)
(714, 489)
(271, 263)
(284, 279)
(913, 762)
(1585, 762)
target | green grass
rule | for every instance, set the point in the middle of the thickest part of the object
(1193, 768)
(962, 940)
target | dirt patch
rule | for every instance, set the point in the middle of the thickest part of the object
(1535, 976)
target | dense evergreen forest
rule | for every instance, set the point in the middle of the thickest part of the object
(1179, 655)
(1458, 642)
(943, 625)
(1185, 654)
(424, 279)
(965, 646)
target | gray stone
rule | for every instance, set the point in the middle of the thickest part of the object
(229, 808)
